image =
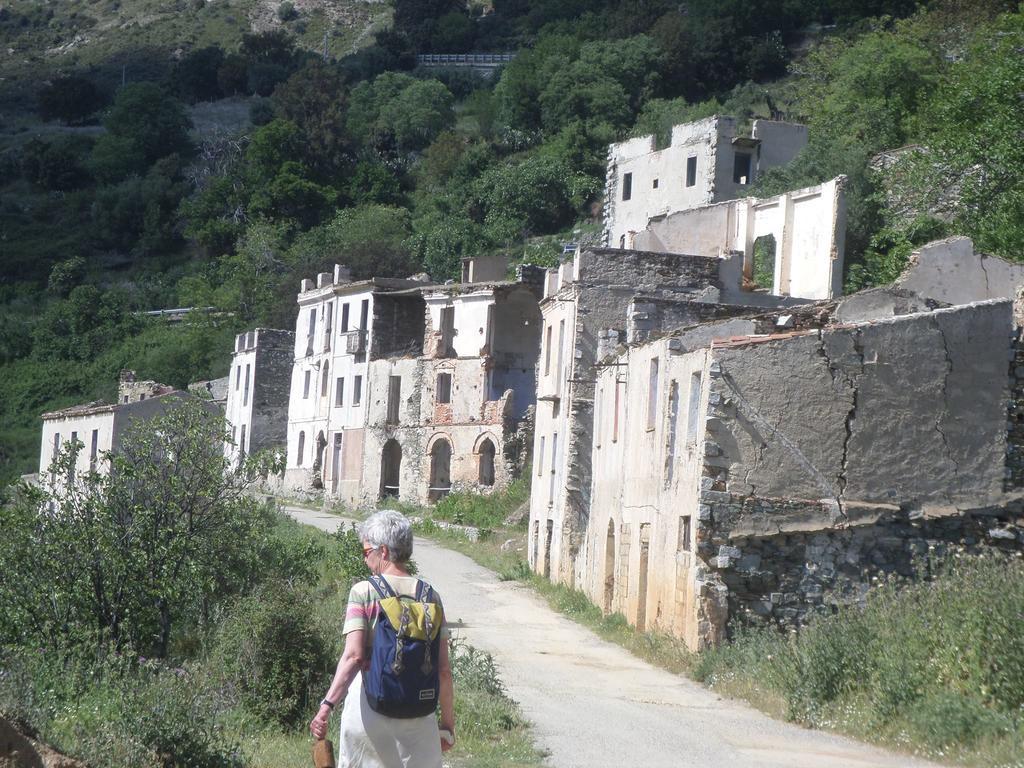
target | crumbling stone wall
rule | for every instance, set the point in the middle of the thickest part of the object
(271, 387)
(837, 455)
(398, 325)
(786, 577)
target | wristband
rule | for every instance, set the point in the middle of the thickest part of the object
(328, 704)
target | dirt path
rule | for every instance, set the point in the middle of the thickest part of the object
(593, 704)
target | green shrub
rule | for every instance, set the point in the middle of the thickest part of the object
(939, 661)
(274, 652)
(482, 510)
(119, 710)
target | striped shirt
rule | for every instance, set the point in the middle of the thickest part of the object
(363, 609)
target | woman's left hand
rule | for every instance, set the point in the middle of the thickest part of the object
(318, 726)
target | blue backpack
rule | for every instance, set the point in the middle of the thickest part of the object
(402, 680)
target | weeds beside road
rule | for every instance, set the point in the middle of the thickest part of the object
(933, 668)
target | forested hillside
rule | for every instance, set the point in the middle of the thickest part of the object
(211, 153)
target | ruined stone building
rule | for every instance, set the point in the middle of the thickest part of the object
(341, 325)
(600, 299)
(98, 426)
(766, 465)
(423, 390)
(451, 416)
(256, 408)
(705, 162)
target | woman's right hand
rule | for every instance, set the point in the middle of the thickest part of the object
(318, 725)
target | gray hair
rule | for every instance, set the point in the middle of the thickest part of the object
(391, 529)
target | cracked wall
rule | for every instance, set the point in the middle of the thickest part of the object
(846, 452)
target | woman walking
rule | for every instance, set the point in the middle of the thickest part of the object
(388, 719)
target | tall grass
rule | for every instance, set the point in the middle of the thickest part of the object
(935, 667)
(482, 511)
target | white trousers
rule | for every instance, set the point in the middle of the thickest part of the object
(372, 740)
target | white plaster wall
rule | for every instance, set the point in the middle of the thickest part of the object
(809, 227)
(634, 487)
(781, 142)
(319, 411)
(668, 166)
(548, 494)
(472, 333)
(238, 409)
(710, 141)
(84, 425)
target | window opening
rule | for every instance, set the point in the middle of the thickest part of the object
(444, 388)
(652, 394)
(691, 171)
(394, 398)
(693, 411)
(486, 473)
(741, 168)
(357, 391)
(627, 186)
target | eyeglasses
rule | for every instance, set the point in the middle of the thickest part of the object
(367, 551)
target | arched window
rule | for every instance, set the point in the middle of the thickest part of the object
(440, 470)
(300, 449)
(390, 469)
(486, 457)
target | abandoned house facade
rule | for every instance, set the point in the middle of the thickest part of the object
(705, 162)
(259, 379)
(428, 395)
(97, 427)
(763, 467)
(602, 298)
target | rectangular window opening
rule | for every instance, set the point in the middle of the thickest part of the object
(394, 398)
(443, 392)
(627, 186)
(691, 171)
(693, 409)
(364, 314)
(652, 395)
(357, 390)
(305, 385)
(344, 319)
(741, 168)
(339, 392)
(683, 545)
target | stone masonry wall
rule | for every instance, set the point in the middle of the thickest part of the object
(838, 455)
(271, 387)
(786, 577)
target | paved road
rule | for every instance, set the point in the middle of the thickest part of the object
(593, 704)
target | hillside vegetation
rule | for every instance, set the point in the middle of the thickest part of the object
(235, 159)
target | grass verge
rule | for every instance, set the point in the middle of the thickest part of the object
(932, 668)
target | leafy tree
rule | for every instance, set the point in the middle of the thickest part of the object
(518, 91)
(441, 240)
(417, 20)
(315, 99)
(65, 275)
(373, 182)
(82, 325)
(370, 239)
(411, 112)
(233, 75)
(273, 47)
(248, 278)
(281, 187)
(195, 76)
(125, 558)
(143, 125)
(71, 99)
(138, 215)
(58, 164)
(971, 170)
